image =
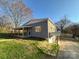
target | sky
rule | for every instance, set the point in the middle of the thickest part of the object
(54, 9)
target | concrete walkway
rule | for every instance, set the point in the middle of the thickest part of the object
(68, 50)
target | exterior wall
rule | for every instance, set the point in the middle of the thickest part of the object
(52, 39)
(47, 28)
(44, 31)
(51, 29)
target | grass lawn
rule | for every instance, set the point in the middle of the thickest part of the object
(26, 49)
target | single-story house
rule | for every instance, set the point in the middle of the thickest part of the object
(41, 28)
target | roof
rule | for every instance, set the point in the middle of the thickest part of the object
(33, 21)
(36, 21)
(22, 27)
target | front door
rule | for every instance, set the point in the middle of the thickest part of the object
(29, 33)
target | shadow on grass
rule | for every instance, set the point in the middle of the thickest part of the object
(45, 56)
(34, 38)
(14, 36)
(6, 36)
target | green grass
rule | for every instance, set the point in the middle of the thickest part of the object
(26, 49)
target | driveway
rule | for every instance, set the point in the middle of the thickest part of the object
(68, 50)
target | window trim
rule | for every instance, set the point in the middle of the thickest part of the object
(38, 29)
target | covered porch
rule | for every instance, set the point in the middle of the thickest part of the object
(23, 32)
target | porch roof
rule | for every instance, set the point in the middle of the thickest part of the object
(22, 27)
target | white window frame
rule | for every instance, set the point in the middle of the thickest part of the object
(38, 28)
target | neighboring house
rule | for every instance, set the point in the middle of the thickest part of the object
(41, 28)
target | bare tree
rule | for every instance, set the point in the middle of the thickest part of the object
(16, 10)
(5, 24)
(62, 23)
(75, 30)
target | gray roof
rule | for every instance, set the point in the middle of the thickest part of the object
(22, 27)
(35, 21)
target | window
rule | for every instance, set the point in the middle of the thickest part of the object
(38, 29)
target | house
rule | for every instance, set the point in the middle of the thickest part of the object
(41, 28)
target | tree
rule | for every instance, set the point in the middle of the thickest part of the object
(16, 10)
(5, 26)
(75, 30)
(62, 23)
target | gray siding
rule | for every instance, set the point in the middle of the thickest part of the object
(43, 33)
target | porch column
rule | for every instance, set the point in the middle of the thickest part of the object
(23, 32)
